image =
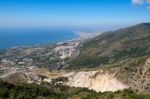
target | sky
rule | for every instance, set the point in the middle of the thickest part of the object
(73, 13)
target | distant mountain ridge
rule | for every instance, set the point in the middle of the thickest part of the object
(111, 47)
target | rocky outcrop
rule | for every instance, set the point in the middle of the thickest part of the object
(144, 80)
(94, 80)
(137, 74)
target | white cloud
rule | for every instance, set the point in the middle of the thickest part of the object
(140, 2)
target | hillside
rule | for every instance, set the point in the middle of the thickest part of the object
(113, 65)
(125, 52)
(112, 47)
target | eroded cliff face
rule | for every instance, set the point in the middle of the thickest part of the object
(135, 73)
(99, 80)
(94, 80)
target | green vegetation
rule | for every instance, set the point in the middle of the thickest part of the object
(60, 79)
(123, 52)
(22, 91)
(112, 47)
(49, 91)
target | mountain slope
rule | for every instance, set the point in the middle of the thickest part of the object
(112, 47)
(125, 53)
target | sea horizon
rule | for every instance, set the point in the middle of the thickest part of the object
(12, 38)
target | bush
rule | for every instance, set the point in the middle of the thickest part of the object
(33, 91)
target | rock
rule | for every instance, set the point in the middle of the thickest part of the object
(94, 80)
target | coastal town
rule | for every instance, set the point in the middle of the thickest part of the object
(51, 56)
(37, 63)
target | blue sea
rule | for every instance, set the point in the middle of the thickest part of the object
(33, 36)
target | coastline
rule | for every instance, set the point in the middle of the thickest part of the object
(77, 36)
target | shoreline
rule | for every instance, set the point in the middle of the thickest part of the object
(38, 44)
(78, 37)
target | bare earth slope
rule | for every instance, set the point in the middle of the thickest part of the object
(94, 80)
(125, 52)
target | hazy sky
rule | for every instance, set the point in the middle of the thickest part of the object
(73, 13)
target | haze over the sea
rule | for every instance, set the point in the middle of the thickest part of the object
(69, 15)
